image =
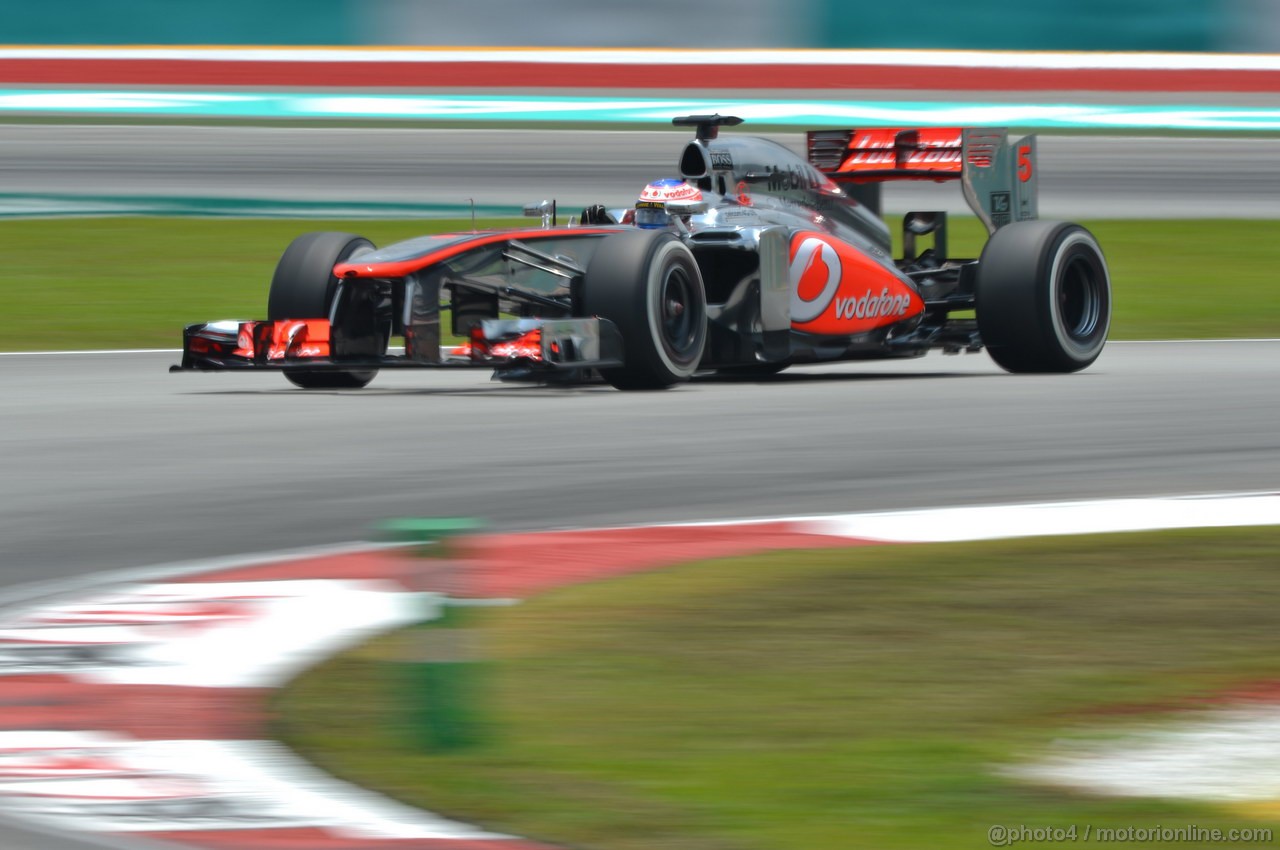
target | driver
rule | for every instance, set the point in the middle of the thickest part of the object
(650, 210)
(651, 213)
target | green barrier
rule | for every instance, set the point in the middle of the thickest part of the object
(973, 24)
(290, 22)
(430, 536)
(440, 667)
(1120, 25)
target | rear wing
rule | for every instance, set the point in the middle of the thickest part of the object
(999, 179)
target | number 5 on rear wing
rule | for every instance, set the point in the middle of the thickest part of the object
(998, 179)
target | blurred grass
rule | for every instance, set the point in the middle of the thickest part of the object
(134, 282)
(829, 700)
(90, 283)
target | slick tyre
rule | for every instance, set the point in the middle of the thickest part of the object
(304, 287)
(1043, 297)
(648, 284)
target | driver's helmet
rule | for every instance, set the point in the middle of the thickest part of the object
(651, 210)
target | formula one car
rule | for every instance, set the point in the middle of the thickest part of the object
(765, 259)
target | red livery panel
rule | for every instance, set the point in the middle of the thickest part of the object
(838, 290)
(287, 339)
(884, 153)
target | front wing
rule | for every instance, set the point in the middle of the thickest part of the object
(539, 345)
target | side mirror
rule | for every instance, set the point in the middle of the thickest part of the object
(546, 209)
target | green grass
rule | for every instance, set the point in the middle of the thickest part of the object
(830, 700)
(134, 282)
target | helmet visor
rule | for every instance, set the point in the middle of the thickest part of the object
(651, 217)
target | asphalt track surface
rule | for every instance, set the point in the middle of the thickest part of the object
(1081, 177)
(109, 461)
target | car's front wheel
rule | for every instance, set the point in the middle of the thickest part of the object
(648, 284)
(303, 287)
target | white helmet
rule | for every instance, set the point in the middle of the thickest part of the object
(651, 208)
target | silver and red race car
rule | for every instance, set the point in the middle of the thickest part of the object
(758, 259)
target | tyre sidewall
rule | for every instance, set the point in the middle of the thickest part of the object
(1075, 245)
(670, 258)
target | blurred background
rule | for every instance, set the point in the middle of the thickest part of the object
(1156, 25)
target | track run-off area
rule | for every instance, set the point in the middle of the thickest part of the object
(156, 679)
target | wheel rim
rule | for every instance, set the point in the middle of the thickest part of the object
(1081, 299)
(678, 314)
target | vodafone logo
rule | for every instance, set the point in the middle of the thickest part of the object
(872, 306)
(815, 279)
(838, 289)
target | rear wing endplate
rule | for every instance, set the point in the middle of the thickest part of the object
(999, 179)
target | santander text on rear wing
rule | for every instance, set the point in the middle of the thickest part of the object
(998, 178)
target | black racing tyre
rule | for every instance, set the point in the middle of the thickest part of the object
(648, 284)
(304, 287)
(1043, 297)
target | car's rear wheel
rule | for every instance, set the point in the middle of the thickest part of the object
(648, 284)
(304, 287)
(1043, 297)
